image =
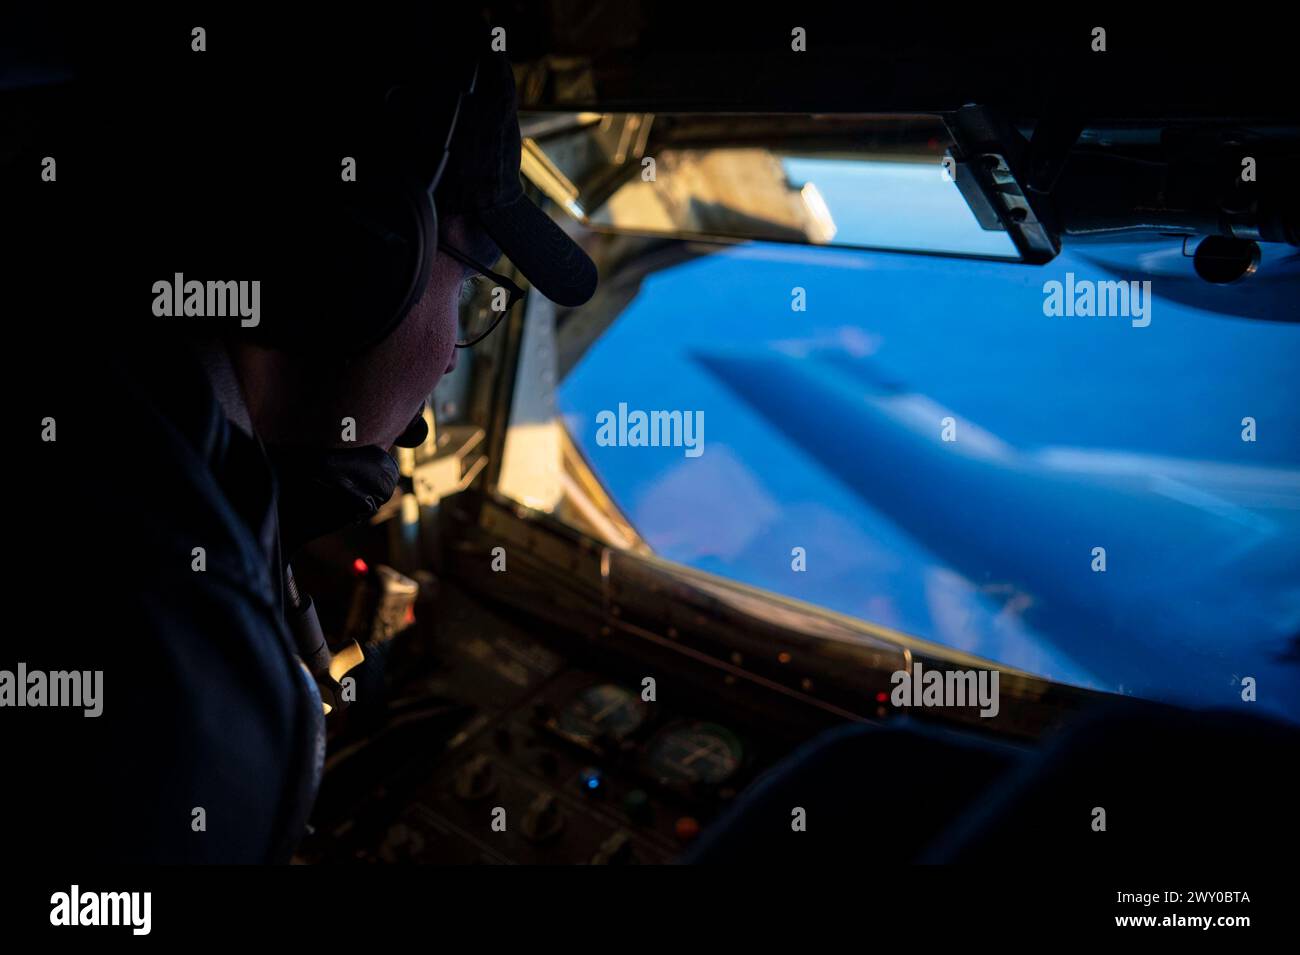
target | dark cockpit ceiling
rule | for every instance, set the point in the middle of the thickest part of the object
(627, 55)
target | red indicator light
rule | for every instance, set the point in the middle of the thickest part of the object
(686, 828)
(360, 567)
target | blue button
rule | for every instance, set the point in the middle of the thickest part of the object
(592, 780)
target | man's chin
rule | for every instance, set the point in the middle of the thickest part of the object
(326, 490)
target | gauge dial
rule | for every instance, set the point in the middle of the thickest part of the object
(695, 753)
(603, 710)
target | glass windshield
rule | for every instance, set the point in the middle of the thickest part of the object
(964, 450)
(884, 182)
(906, 205)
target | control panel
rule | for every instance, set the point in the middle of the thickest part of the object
(497, 744)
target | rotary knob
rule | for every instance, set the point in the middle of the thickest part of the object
(476, 779)
(543, 819)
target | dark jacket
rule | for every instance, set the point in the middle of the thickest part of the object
(207, 713)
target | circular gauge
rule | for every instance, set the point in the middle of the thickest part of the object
(695, 753)
(603, 710)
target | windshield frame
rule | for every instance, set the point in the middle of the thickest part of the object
(833, 662)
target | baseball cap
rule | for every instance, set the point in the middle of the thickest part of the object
(481, 182)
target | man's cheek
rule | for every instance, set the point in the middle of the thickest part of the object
(424, 351)
(389, 384)
(369, 412)
(442, 328)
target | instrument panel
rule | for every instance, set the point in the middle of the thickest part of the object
(501, 745)
(685, 754)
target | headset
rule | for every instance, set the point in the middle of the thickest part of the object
(355, 252)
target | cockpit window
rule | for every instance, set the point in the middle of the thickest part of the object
(883, 182)
(1088, 470)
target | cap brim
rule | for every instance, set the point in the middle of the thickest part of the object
(552, 262)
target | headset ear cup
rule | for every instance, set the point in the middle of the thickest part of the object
(384, 264)
(357, 268)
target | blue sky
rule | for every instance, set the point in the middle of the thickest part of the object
(897, 205)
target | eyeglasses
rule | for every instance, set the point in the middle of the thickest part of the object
(487, 298)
